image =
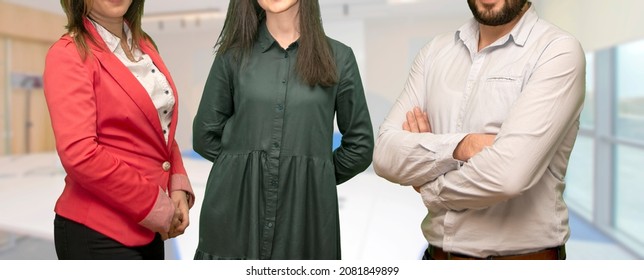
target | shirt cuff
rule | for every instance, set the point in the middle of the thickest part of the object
(160, 217)
(180, 182)
(444, 149)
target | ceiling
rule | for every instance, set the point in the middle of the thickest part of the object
(330, 8)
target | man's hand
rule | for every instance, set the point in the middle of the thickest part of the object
(472, 144)
(417, 121)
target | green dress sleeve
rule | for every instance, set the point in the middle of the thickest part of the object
(356, 148)
(214, 110)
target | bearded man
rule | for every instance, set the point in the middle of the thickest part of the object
(483, 130)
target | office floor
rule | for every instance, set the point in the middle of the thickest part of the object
(379, 220)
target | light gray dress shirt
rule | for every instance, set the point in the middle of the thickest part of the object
(528, 88)
(143, 68)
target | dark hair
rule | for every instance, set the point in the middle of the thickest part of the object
(315, 62)
(78, 10)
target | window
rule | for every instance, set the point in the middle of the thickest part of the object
(630, 95)
(629, 192)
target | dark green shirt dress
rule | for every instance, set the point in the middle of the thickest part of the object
(271, 192)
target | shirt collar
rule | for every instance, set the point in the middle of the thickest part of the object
(469, 32)
(266, 40)
(264, 37)
(111, 40)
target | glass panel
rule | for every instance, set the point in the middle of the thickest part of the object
(587, 119)
(579, 179)
(629, 197)
(630, 95)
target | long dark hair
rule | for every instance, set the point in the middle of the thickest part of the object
(315, 62)
(78, 10)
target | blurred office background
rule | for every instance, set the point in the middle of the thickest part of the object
(379, 220)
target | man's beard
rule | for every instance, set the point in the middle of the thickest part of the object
(510, 11)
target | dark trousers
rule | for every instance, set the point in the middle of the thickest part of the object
(427, 256)
(75, 241)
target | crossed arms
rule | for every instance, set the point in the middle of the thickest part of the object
(458, 171)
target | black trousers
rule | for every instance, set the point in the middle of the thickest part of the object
(75, 241)
(427, 256)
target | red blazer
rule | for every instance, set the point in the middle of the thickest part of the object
(110, 142)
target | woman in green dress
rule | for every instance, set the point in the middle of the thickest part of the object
(266, 121)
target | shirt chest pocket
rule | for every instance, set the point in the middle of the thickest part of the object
(493, 100)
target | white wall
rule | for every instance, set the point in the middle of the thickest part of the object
(597, 24)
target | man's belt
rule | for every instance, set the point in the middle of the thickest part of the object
(556, 253)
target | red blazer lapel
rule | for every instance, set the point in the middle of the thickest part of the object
(124, 77)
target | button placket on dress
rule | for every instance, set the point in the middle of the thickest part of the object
(274, 151)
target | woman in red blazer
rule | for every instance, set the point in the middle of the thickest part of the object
(113, 108)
